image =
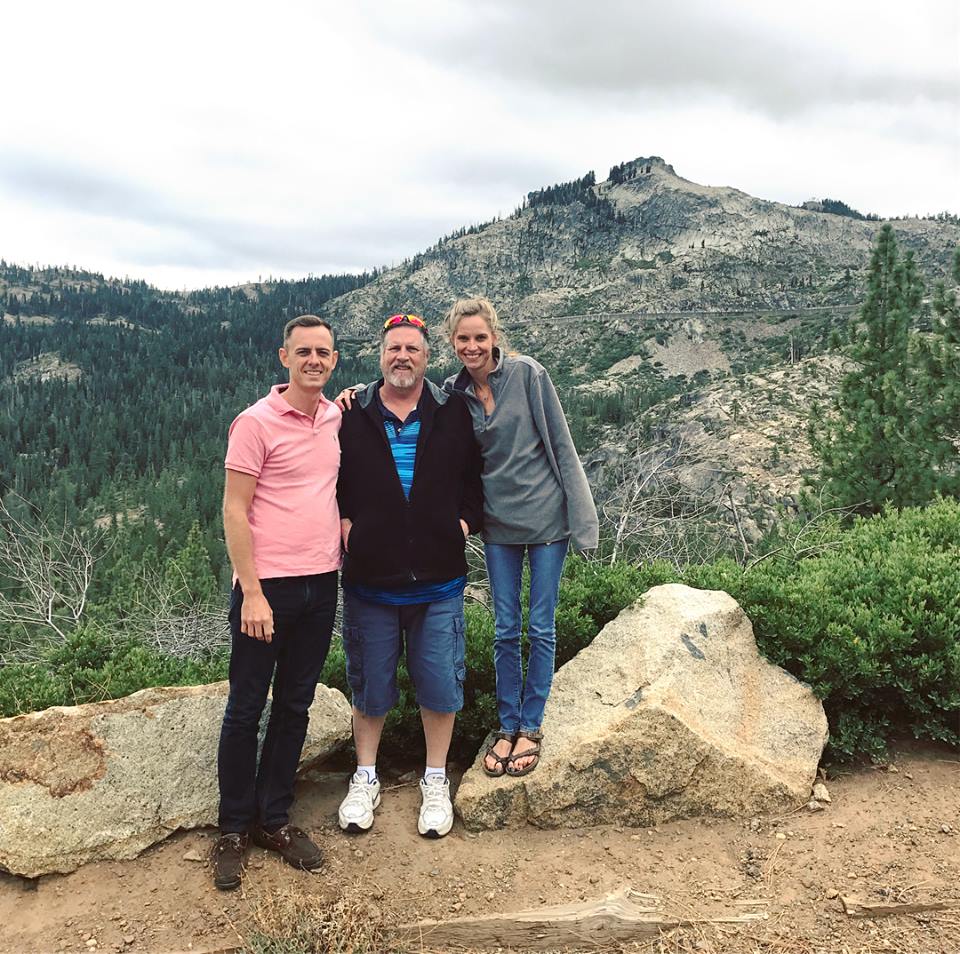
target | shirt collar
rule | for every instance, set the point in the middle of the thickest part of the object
(281, 405)
(388, 415)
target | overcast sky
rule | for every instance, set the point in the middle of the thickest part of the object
(199, 143)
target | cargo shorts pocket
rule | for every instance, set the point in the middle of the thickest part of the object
(459, 648)
(353, 651)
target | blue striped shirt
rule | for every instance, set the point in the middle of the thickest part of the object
(402, 437)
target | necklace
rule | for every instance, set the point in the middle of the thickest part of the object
(483, 391)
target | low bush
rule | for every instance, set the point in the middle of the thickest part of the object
(90, 665)
(872, 623)
(870, 620)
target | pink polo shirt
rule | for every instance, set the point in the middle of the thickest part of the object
(295, 458)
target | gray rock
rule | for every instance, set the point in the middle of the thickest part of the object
(106, 780)
(680, 247)
(820, 792)
(671, 712)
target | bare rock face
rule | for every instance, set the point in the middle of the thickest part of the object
(670, 712)
(106, 780)
(665, 244)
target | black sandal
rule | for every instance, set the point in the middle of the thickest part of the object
(501, 760)
(536, 738)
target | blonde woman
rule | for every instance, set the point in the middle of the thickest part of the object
(537, 503)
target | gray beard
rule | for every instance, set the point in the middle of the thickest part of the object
(401, 380)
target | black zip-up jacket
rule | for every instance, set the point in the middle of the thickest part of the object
(395, 541)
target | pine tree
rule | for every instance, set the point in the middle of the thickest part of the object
(940, 356)
(189, 573)
(884, 443)
(119, 592)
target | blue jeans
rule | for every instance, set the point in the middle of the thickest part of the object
(520, 704)
(304, 608)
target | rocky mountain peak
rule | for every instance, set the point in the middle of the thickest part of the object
(644, 241)
(636, 169)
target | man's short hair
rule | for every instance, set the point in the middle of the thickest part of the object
(383, 346)
(307, 321)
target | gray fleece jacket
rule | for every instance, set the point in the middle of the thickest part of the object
(534, 487)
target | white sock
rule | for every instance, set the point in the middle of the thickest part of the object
(370, 771)
(430, 772)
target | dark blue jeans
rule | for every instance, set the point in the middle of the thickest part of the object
(304, 608)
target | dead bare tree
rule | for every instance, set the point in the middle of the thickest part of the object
(163, 616)
(654, 510)
(811, 536)
(46, 569)
(45, 573)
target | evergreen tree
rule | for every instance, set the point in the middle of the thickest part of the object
(885, 443)
(118, 592)
(189, 573)
(940, 356)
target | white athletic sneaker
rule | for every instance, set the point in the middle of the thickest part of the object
(356, 810)
(436, 810)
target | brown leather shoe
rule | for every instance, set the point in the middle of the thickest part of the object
(226, 860)
(293, 844)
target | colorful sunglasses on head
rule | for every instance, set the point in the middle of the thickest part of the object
(415, 320)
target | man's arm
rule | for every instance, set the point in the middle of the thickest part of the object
(256, 617)
(344, 502)
(471, 498)
(344, 400)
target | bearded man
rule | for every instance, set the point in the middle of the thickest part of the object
(409, 493)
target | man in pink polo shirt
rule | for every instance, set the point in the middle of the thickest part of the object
(282, 529)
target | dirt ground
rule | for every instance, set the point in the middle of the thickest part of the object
(890, 834)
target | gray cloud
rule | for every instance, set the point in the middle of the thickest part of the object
(407, 121)
(56, 184)
(179, 236)
(512, 175)
(631, 52)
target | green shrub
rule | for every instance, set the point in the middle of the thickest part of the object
(592, 594)
(872, 624)
(871, 621)
(91, 666)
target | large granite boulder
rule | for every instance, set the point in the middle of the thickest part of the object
(670, 712)
(108, 779)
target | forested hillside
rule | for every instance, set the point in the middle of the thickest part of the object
(116, 397)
